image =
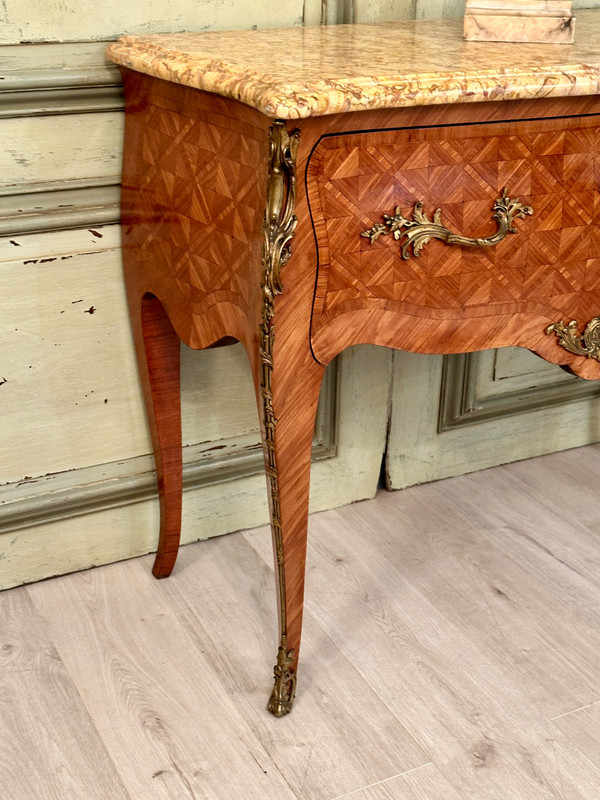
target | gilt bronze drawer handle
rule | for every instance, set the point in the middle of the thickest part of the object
(419, 230)
(582, 344)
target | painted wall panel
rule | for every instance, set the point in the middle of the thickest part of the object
(419, 452)
(37, 551)
(76, 20)
(433, 9)
(59, 362)
(73, 147)
(370, 11)
(66, 343)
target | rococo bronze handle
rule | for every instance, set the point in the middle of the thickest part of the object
(419, 230)
(582, 344)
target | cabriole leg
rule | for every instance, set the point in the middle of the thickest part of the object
(289, 408)
(158, 352)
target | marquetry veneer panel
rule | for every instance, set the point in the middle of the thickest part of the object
(193, 198)
(551, 267)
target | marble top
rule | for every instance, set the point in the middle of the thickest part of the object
(291, 73)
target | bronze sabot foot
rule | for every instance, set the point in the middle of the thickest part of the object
(284, 690)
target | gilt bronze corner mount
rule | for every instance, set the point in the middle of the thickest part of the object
(278, 228)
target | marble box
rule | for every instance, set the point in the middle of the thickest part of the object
(550, 21)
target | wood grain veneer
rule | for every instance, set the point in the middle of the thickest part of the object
(195, 172)
(192, 205)
(507, 294)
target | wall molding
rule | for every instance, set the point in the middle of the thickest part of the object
(461, 402)
(57, 100)
(48, 208)
(56, 65)
(50, 80)
(59, 496)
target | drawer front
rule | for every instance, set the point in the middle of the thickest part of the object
(548, 269)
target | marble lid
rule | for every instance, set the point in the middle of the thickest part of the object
(291, 73)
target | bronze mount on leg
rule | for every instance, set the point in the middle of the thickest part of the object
(277, 230)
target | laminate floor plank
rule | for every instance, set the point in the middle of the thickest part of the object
(450, 652)
(49, 748)
(555, 518)
(518, 603)
(582, 728)
(559, 555)
(484, 734)
(424, 783)
(170, 728)
(492, 645)
(566, 483)
(573, 506)
(341, 735)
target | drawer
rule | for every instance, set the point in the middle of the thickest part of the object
(548, 270)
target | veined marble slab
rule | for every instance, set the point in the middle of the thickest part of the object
(550, 21)
(293, 73)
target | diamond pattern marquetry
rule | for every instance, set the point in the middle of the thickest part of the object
(198, 198)
(552, 262)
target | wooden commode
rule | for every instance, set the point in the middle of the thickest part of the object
(307, 189)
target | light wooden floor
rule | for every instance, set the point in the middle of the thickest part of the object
(451, 652)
